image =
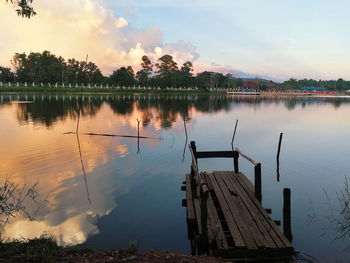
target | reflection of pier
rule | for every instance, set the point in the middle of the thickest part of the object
(225, 216)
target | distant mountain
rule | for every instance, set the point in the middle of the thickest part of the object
(241, 74)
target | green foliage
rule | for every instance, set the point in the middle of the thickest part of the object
(6, 75)
(24, 8)
(143, 76)
(133, 246)
(78, 72)
(47, 68)
(122, 77)
(41, 249)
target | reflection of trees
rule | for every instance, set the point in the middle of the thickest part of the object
(167, 108)
(164, 109)
(48, 111)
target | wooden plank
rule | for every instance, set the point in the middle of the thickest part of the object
(234, 224)
(244, 179)
(215, 154)
(237, 203)
(261, 214)
(246, 157)
(271, 225)
(197, 207)
(191, 217)
(251, 212)
(215, 230)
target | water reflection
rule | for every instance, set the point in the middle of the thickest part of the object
(133, 182)
(48, 109)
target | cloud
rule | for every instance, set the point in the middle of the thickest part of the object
(74, 28)
(121, 22)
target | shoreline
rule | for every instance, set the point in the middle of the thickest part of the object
(45, 249)
(95, 90)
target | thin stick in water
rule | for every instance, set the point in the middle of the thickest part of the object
(278, 156)
(138, 136)
(234, 134)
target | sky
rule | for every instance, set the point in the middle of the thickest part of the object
(280, 39)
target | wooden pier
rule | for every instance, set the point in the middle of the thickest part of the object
(225, 216)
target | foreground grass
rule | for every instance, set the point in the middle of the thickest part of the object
(45, 249)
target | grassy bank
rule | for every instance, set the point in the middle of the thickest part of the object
(45, 249)
(100, 90)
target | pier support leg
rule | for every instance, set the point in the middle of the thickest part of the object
(204, 243)
(257, 183)
(235, 161)
(287, 228)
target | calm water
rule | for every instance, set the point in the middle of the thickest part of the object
(132, 191)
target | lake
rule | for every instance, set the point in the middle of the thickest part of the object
(105, 192)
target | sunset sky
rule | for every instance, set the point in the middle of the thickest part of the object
(279, 39)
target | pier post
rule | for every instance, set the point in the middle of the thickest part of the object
(235, 161)
(257, 183)
(287, 228)
(204, 194)
(194, 150)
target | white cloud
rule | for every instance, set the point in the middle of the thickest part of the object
(121, 22)
(74, 28)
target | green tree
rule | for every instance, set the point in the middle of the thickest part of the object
(166, 69)
(38, 67)
(183, 77)
(82, 72)
(24, 8)
(166, 66)
(122, 77)
(6, 75)
(143, 76)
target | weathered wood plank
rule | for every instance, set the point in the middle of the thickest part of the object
(250, 212)
(237, 206)
(191, 217)
(214, 222)
(261, 215)
(271, 225)
(215, 154)
(244, 179)
(246, 157)
(235, 226)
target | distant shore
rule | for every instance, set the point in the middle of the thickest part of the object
(114, 90)
(110, 90)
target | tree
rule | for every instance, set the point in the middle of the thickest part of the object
(166, 69)
(24, 8)
(38, 67)
(187, 68)
(6, 75)
(143, 75)
(82, 72)
(166, 66)
(183, 77)
(122, 77)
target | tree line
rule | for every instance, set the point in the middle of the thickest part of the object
(47, 68)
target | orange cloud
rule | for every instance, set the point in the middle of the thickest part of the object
(74, 28)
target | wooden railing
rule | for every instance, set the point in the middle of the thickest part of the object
(226, 154)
